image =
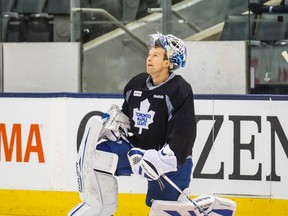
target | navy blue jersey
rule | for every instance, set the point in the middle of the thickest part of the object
(161, 114)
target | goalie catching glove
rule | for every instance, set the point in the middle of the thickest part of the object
(151, 164)
(116, 124)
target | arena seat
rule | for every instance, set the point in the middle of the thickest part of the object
(272, 27)
(40, 28)
(238, 27)
(57, 7)
(29, 6)
(130, 10)
(85, 4)
(114, 7)
(6, 8)
(39, 25)
(14, 29)
(4, 25)
(7, 5)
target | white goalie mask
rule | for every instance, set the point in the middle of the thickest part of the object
(173, 46)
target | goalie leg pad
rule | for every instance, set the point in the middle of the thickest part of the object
(87, 147)
(97, 186)
(212, 205)
(104, 161)
(119, 148)
(100, 186)
(216, 205)
(161, 207)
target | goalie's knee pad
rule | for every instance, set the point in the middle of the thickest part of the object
(99, 187)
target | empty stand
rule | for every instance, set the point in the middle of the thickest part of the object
(272, 27)
(4, 25)
(238, 27)
(60, 9)
(29, 6)
(15, 28)
(114, 7)
(36, 26)
(40, 28)
(7, 5)
(85, 4)
(130, 10)
(57, 7)
(6, 8)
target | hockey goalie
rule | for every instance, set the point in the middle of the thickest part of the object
(152, 136)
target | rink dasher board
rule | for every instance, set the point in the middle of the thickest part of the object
(42, 128)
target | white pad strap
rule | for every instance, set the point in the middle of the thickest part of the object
(104, 161)
(100, 185)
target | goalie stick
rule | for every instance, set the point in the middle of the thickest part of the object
(135, 156)
(201, 210)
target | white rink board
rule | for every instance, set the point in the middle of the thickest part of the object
(246, 130)
(224, 148)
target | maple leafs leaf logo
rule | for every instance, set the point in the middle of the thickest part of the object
(142, 117)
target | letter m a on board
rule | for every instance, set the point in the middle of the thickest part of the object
(14, 144)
